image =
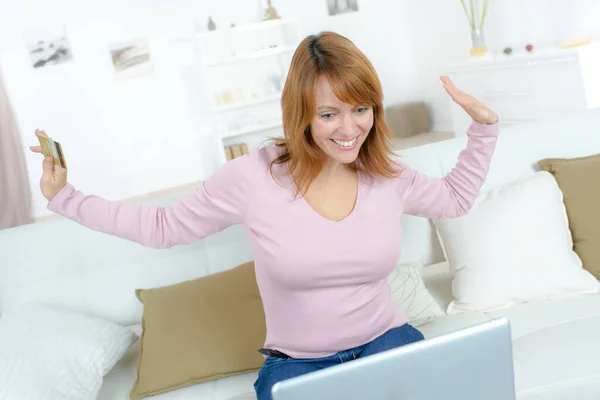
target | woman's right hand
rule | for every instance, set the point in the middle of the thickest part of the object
(54, 177)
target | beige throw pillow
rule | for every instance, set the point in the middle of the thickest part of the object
(579, 180)
(200, 330)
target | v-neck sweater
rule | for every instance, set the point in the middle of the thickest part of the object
(323, 283)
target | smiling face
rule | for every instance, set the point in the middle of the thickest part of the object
(338, 128)
(332, 113)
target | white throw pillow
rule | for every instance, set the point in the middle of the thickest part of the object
(513, 246)
(47, 353)
(412, 296)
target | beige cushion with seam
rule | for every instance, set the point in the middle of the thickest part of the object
(200, 330)
(579, 180)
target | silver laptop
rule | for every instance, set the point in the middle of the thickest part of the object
(474, 363)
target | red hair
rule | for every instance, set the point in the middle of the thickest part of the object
(353, 80)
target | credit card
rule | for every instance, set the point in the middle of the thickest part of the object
(52, 148)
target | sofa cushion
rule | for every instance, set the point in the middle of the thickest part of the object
(50, 353)
(562, 354)
(556, 347)
(556, 344)
(578, 179)
(200, 330)
(581, 389)
(117, 384)
(411, 294)
(513, 246)
(556, 355)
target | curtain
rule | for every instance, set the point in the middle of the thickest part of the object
(15, 195)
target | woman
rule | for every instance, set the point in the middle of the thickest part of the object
(322, 208)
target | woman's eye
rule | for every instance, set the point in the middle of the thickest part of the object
(327, 115)
(362, 110)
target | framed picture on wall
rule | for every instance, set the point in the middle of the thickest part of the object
(336, 7)
(48, 46)
(131, 58)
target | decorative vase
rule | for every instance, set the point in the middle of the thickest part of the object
(211, 24)
(478, 39)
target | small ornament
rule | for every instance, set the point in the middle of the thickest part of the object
(211, 24)
(270, 12)
(529, 48)
(508, 51)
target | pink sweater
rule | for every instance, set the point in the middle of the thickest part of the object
(323, 283)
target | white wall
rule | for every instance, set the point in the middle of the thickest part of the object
(124, 138)
(442, 36)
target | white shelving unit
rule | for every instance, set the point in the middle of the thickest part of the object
(251, 129)
(244, 69)
(526, 87)
(248, 103)
(253, 55)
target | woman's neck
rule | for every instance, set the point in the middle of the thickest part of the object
(333, 171)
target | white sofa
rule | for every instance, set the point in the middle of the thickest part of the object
(556, 342)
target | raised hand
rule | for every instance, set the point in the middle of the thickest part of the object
(54, 177)
(476, 109)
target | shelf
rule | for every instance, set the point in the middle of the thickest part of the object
(243, 28)
(254, 55)
(250, 129)
(248, 103)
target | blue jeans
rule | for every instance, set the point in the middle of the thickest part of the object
(277, 369)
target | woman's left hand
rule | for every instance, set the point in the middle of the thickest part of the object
(476, 109)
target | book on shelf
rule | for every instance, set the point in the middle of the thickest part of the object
(235, 150)
(228, 153)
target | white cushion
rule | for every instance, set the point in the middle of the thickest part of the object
(48, 353)
(412, 296)
(513, 246)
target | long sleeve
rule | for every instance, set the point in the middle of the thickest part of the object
(221, 201)
(454, 194)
